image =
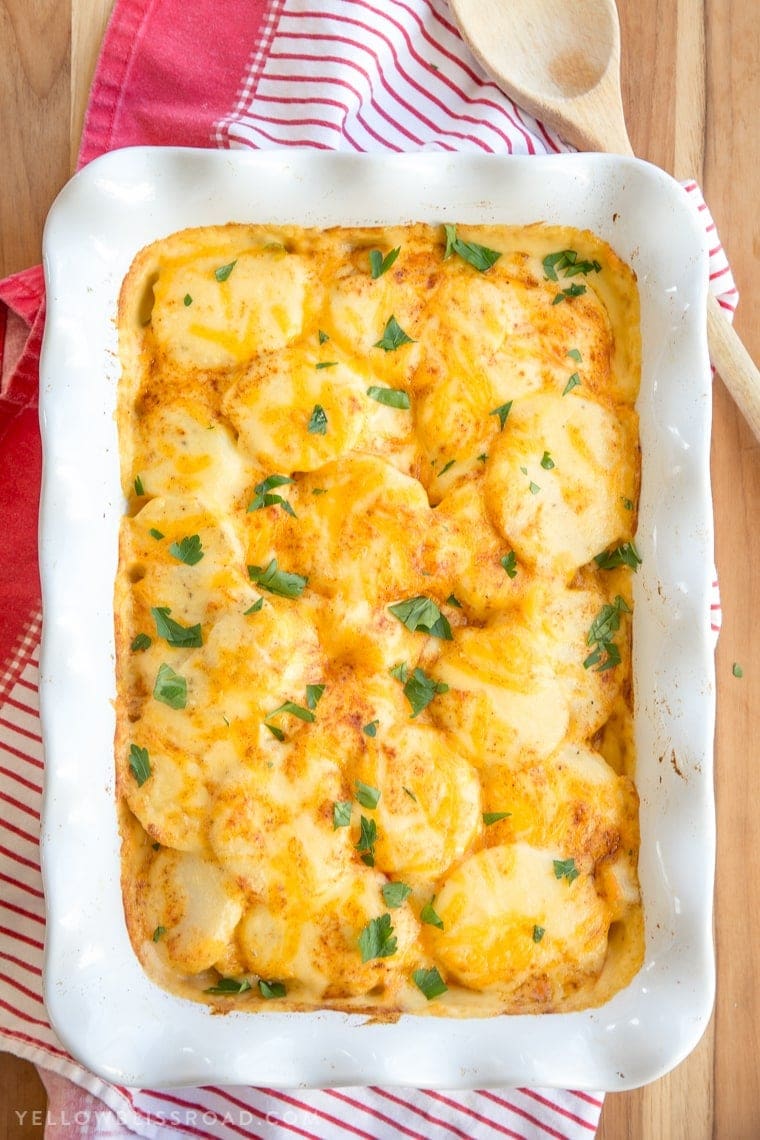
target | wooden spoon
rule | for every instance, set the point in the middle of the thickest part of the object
(561, 62)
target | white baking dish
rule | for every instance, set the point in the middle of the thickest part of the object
(104, 1008)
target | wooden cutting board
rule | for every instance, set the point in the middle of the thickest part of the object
(691, 88)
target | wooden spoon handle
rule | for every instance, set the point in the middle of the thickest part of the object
(734, 365)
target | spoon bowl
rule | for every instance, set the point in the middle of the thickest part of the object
(561, 62)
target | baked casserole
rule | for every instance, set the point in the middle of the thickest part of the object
(374, 724)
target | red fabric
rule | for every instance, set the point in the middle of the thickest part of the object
(143, 93)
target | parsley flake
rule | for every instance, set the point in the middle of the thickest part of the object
(605, 625)
(573, 382)
(229, 986)
(429, 982)
(139, 763)
(294, 710)
(276, 732)
(367, 796)
(509, 562)
(223, 272)
(154, 533)
(572, 291)
(452, 600)
(277, 581)
(423, 614)
(188, 550)
(326, 364)
(158, 933)
(323, 336)
(420, 690)
(271, 989)
(480, 257)
(575, 355)
(502, 412)
(254, 609)
(533, 488)
(317, 424)
(314, 695)
(187, 300)
(393, 336)
(446, 467)
(538, 933)
(141, 643)
(400, 671)
(429, 915)
(379, 264)
(139, 488)
(170, 688)
(395, 894)
(367, 840)
(566, 262)
(491, 817)
(371, 728)
(410, 794)
(624, 555)
(263, 496)
(377, 940)
(391, 397)
(737, 670)
(178, 636)
(341, 814)
(565, 869)
(546, 461)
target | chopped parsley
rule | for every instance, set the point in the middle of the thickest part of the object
(737, 670)
(429, 915)
(254, 609)
(573, 382)
(263, 496)
(187, 300)
(294, 710)
(314, 695)
(395, 894)
(154, 533)
(371, 728)
(277, 581)
(377, 940)
(323, 336)
(276, 732)
(546, 461)
(480, 257)
(573, 290)
(393, 336)
(179, 636)
(341, 814)
(627, 503)
(509, 562)
(502, 412)
(141, 643)
(223, 272)
(378, 264)
(229, 986)
(159, 932)
(170, 688)
(410, 794)
(391, 397)
(624, 555)
(483, 457)
(317, 424)
(538, 933)
(452, 600)
(533, 488)
(367, 796)
(423, 614)
(491, 817)
(139, 488)
(271, 989)
(139, 763)
(326, 364)
(429, 982)
(419, 689)
(605, 625)
(188, 550)
(446, 467)
(575, 355)
(565, 261)
(367, 840)
(565, 869)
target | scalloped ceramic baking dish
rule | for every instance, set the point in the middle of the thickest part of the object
(102, 1005)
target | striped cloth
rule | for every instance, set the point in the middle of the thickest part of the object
(362, 75)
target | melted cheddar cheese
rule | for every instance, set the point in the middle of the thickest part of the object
(373, 618)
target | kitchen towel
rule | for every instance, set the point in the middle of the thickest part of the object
(366, 75)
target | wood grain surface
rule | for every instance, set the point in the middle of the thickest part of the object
(691, 89)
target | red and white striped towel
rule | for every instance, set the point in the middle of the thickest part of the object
(333, 74)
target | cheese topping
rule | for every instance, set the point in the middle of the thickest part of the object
(374, 692)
